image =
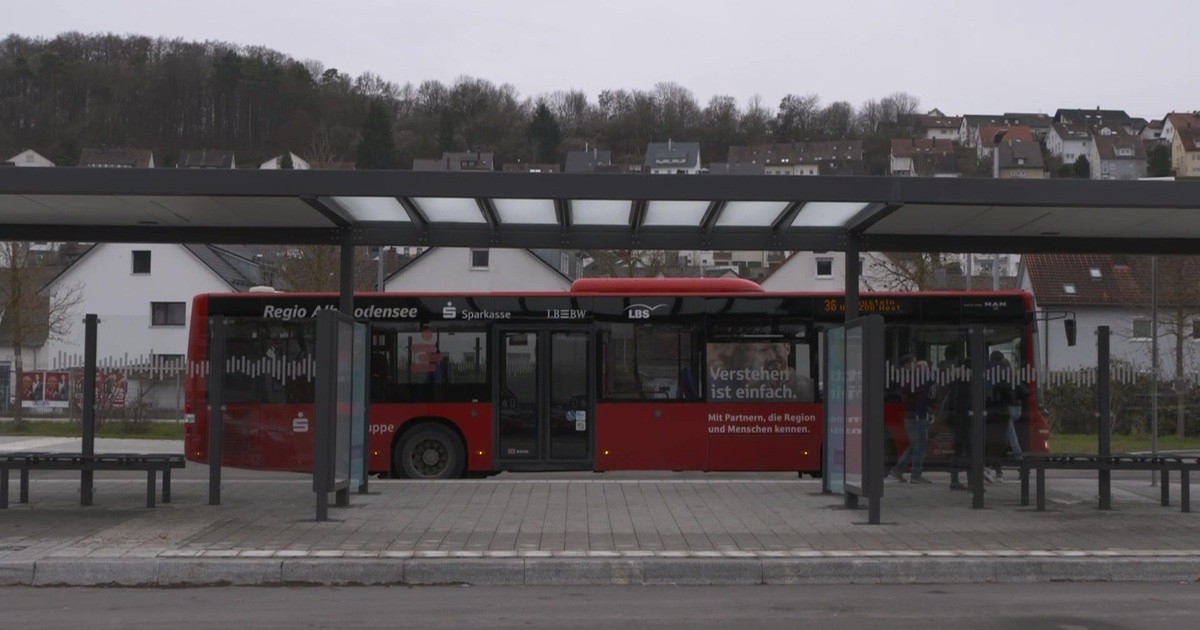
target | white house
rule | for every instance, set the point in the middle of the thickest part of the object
(673, 158)
(1103, 290)
(812, 271)
(143, 294)
(464, 269)
(298, 163)
(1069, 142)
(29, 157)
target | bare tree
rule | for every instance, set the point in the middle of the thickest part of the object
(1179, 309)
(631, 263)
(32, 315)
(315, 268)
(906, 271)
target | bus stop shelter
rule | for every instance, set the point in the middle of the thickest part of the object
(672, 212)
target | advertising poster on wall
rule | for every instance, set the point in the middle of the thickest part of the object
(44, 389)
(755, 372)
(111, 389)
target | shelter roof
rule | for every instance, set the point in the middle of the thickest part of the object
(587, 211)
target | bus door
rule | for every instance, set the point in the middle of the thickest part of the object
(544, 411)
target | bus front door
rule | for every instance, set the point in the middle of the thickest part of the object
(543, 400)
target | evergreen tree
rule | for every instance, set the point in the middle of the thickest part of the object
(1158, 163)
(1082, 168)
(544, 135)
(376, 147)
(285, 162)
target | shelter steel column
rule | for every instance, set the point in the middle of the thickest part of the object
(1104, 412)
(346, 306)
(90, 322)
(978, 415)
(216, 405)
(851, 264)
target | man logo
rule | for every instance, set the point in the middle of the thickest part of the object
(641, 311)
(449, 312)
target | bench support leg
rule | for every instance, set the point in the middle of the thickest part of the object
(1105, 489)
(1041, 489)
(1024, 485)
(166, 497)
(24, 498)
(3, 488)
(1185, 490)
(85, 488)
(150, 488)
(1165, 486)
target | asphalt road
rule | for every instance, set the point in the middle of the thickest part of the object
(1065, 606)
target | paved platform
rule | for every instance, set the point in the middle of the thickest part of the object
(588, 529)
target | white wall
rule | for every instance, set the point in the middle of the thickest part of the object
(799, 273)
(449, 269)
(122, 299)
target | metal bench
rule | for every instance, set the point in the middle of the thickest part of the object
(27, 461)
(1164, 463)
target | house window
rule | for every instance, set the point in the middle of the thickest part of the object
(1196, 329)
(168, 313)
(141, 261)
(824, 267)
(1141, 329)
(1069, 288)
(479, 258)
(1094, 272)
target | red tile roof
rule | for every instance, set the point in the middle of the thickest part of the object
(1123, 281)
(908, 147)
(987, 134)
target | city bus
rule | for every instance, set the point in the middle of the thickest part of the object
(667, 374)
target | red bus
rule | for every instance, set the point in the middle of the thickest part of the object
(616, 374)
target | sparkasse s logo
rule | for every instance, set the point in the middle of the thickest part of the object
(641, 311)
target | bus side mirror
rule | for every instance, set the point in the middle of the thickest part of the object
(1069, 325)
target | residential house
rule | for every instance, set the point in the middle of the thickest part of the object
(298, 163)
(1039, 124)
(1106, 290)
(1178, 120)
(1093, 117)
(1017, 159)
(529, 167)
(1185, 152)
(835, 157)
(1152, 131)
(989, 134)
(467, 270)
(143, 295)
(1069, 141)
(905, 149)
(206, 159)
(29, 157)
(813, 271)
(468, 161)
(969, 132)
(673, 158)
(941, 127)
(588, 160)
(117, 158)
(826, 271)
(1117, 155)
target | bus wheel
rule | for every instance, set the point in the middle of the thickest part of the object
(430, 451)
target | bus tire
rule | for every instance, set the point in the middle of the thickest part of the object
(430, 451)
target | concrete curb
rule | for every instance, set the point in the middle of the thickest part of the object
(591, 571)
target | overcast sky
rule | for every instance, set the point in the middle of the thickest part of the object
(962, 56)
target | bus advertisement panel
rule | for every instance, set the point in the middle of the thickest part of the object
(628, 374)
